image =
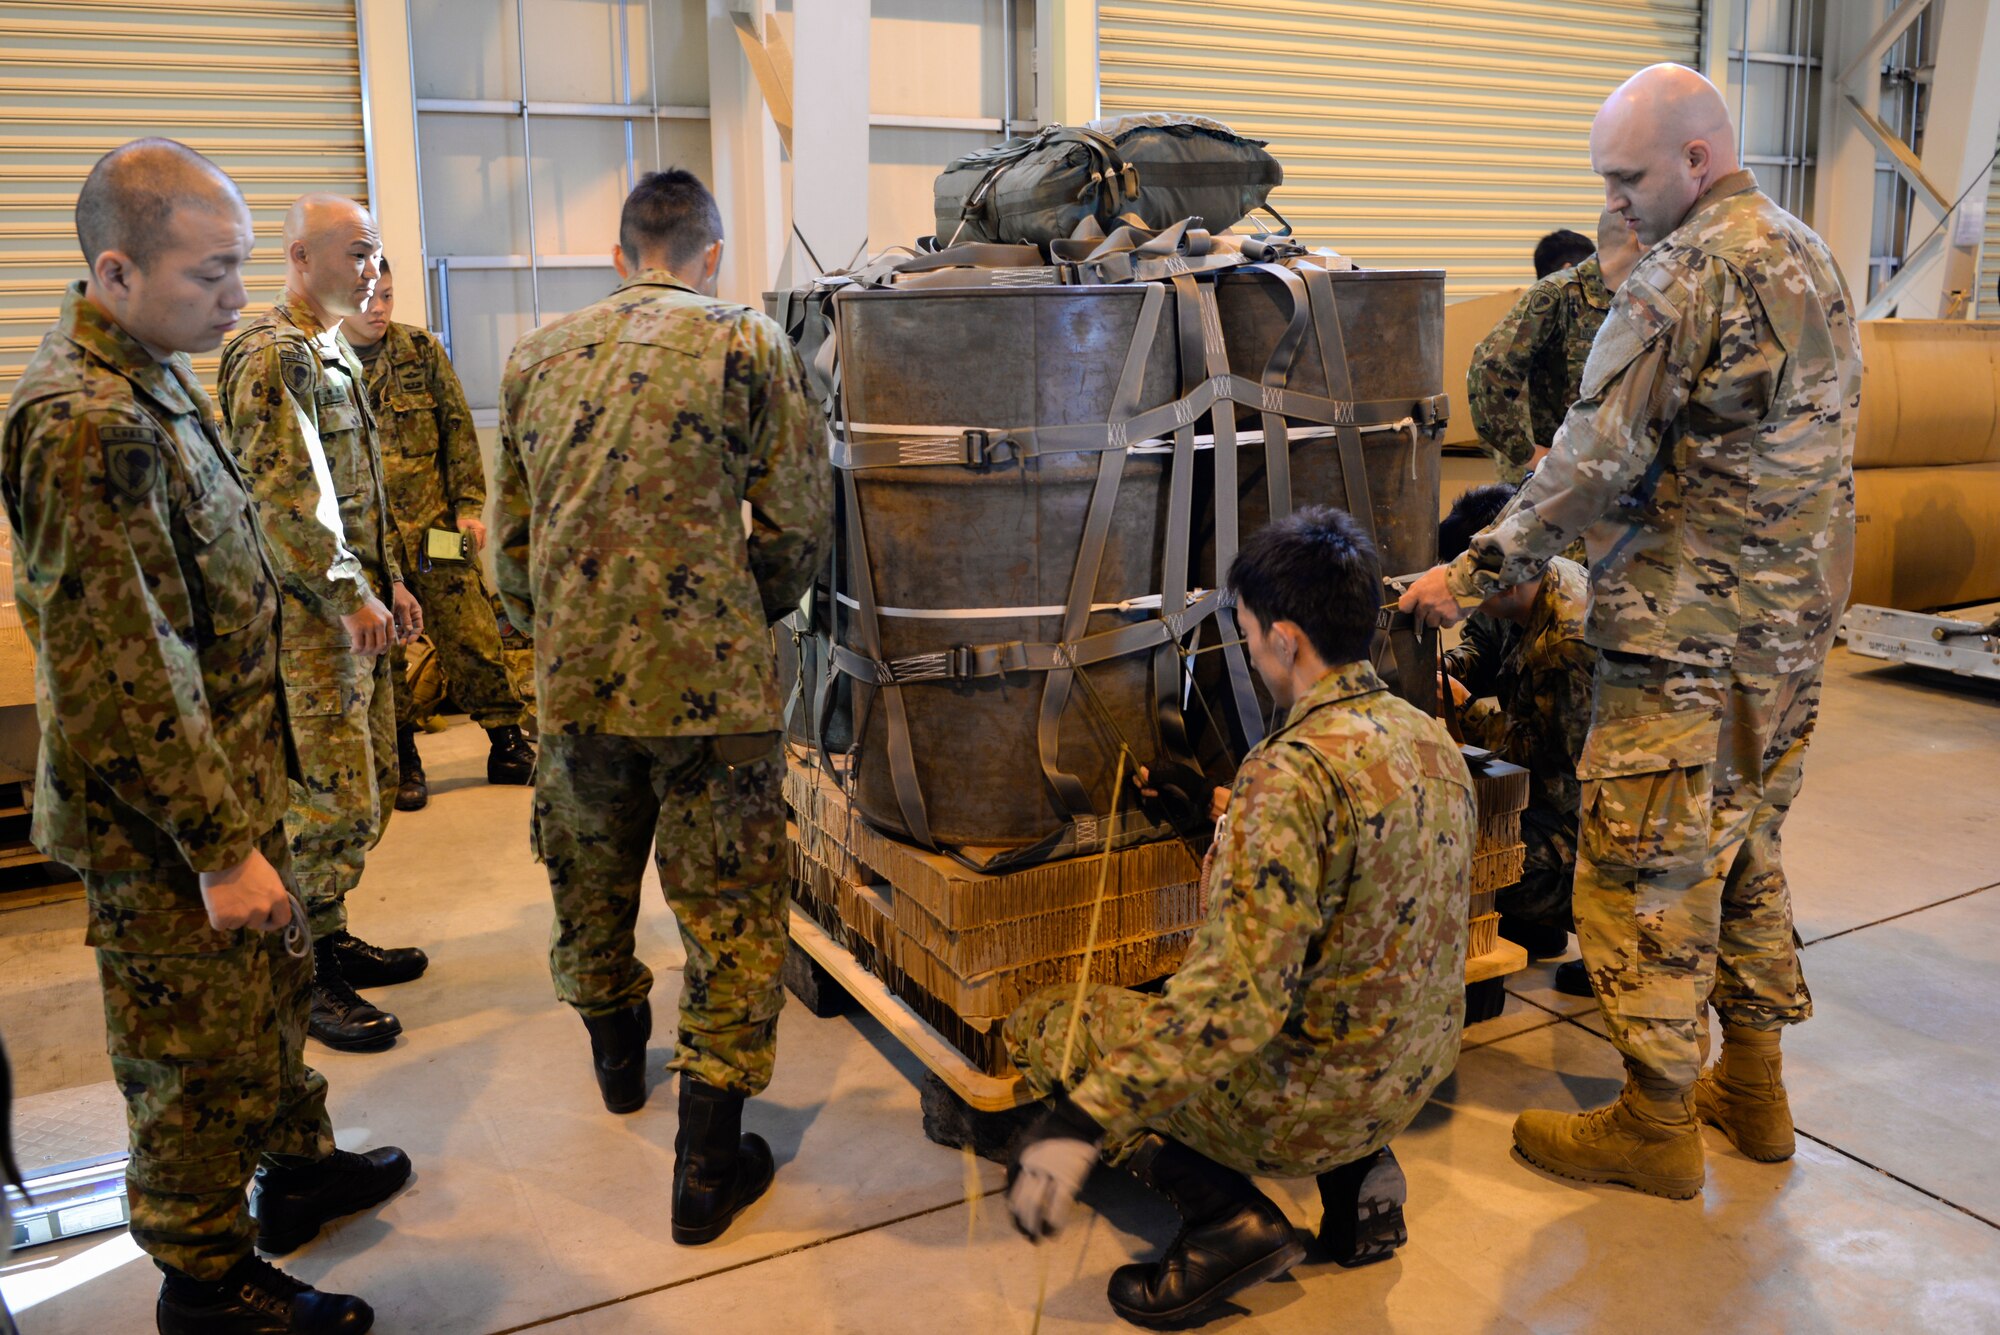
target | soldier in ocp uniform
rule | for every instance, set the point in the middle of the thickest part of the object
(296, 417)
(154, 615)
(1525, 374)
(1322, 998)
(663, 497)
(435, 481)
(1709, 466)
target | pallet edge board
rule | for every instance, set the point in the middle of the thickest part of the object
(986, 1093)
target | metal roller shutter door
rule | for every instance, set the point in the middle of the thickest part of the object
(1986, 302)
(1427, 133)
(270, 89)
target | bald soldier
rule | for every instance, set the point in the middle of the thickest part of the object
(436, 484)
(296, 415)
(1525, 374)
(153, 612)
(1708, 465)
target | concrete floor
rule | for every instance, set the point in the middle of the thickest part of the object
(532, 1209)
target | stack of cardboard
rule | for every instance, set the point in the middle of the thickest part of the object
(964, 948)
(1501, 791)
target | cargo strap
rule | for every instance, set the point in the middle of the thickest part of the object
(915, 446)
(970, 662)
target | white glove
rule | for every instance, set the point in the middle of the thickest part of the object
(1048, 1176)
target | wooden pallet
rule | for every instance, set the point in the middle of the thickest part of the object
(27, 877)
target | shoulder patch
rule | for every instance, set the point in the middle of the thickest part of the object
(131, 459)
(297, 365)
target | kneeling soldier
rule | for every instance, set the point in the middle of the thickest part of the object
(1320, 1002)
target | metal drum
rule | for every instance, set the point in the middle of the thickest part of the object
(983, 551)
(985, 554)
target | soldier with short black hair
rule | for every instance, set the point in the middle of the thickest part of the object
(1525, 373)
(1708, 464)
(153, 610)
(1322, 997)
(434, 481)
(663, 496)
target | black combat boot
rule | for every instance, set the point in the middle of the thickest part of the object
(1363, 1219)
(1538, 939)
(413, 793)
(718, 1170)
(291, 1204)
(255, 1298)
(363, 965)
(1232, 1236)
(1573, 979)
(340, 1018)
(511, 760)
(618, 1052)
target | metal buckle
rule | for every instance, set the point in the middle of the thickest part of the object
(979, 447)
(958, 662)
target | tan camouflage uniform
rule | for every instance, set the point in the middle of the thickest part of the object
(632, 435)
(1322, 998)
(1709, 467)
(146, 594)
(1526, 373)
(1539, 676)
(296, 419)
(433, 476)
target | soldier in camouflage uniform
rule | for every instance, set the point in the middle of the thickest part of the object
(1321, 999)
(1521, 674)
(1709, 466)
(153, 611)
(1525, 374)
(434, 479)
(635, 437)
(297, 419)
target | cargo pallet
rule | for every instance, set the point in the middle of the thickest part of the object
(835, 944)
(27, 877)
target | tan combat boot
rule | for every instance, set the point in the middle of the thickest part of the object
(1651, 1143)
(1743, 1096)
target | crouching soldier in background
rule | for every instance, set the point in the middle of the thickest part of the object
(1321, 1001)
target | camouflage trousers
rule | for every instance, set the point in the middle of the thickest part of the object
(458, 621)
(206, 1031)
(1337, 1121)
(343, 722)
(1680, 897)
(711, 811)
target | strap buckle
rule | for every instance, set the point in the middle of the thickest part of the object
(979, 447)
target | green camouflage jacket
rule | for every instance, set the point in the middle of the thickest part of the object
(1540, 674)
(633, 435)
(295, 415)
(145, 592)
(1708, 463)
(430, 453)
(1326, 985)
(1526, 373)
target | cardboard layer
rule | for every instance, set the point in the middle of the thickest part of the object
(1930, 394)
(1927, 537)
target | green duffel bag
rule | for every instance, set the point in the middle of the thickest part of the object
(1153, 169)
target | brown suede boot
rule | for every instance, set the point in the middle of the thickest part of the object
(1743, 1095)
(1650, 1142)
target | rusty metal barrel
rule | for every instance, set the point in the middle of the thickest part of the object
(1030, 544)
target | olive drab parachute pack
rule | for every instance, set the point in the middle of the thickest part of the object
(1148, 170)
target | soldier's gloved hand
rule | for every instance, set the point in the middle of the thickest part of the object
(1051, 1162)
(1175, 794)
(250, 894)
(369, 629)
(409, 613)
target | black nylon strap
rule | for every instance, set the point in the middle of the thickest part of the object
(1069, 790)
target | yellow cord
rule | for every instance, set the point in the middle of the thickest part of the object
(1090, 937)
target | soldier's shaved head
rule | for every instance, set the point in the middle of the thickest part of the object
(128, 201)
(332, 254)
(1661, 139)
